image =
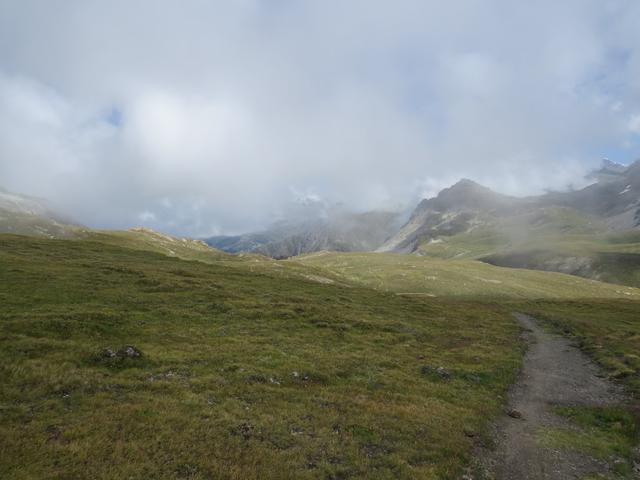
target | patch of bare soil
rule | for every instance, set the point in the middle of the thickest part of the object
(554, 373)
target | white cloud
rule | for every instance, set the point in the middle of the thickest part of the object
(227, 111)
(634, 123)
(147, 217)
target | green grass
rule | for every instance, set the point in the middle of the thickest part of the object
(248, 370)
(540, 228)
(603, 318)
(20, 223)
(416, 275)
(606, 433)
(553, 239)
(323, 366)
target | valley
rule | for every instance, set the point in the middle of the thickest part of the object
(397, 363)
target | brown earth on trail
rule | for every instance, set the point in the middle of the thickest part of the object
(554, 373)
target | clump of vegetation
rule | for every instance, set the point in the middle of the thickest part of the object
(607, 433)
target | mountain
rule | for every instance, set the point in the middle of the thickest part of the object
(456, 209)
(608, 171)
(587, 232)
(24, 215)
(617, 199)
(613, 203)
(342, 231)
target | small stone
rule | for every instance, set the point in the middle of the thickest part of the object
(108, 353)
(246, 430)
(514, 414)
(437, 371)
(129, 351)
(373, 451)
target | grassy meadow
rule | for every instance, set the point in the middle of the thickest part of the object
(329, 366)
(465, 279)
(242, 374)
(554, 239)
(604, 318)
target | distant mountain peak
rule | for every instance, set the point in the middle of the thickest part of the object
(466, 185)
(607, 171)
(466, 182)
(465, 194)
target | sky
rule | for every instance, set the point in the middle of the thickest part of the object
(199, 117)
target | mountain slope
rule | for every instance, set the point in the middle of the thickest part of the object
(116, 352)
(613, 203)
(25, 215)
(580, 232)
(431, 277)
(456, 209)
(616, 200)
(340, 232)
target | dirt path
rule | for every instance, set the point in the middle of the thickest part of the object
(554, 373)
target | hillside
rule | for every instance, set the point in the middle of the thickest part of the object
(150, 240)
(456, 209)
(415, 275)
(325, 365)
(603, 319)
(616, 200)
(110, 353)
(25, 215)
(556, 239)
(338, 231)
(588, 232)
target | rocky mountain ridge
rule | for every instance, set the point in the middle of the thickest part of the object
(613, 203)
(344, 232)
(25, 215)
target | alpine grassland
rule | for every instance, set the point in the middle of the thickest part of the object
(120, 359)
(232, 373)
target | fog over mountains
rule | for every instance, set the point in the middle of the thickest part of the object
(591, 232)
(212, 118)
(611, 203)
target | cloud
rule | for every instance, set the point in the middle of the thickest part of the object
(214, 117)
